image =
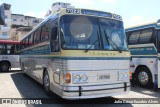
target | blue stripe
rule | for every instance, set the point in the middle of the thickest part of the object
(144, 56)
(80, 58)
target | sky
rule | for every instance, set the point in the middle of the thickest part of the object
(133, 12)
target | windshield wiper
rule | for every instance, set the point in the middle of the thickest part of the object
(92, 44)
(112, 43)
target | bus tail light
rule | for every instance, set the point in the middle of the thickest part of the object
(68, 78)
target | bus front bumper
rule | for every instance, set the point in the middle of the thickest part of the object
(96, 91)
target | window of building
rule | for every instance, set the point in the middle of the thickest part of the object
(21, 20)
(14, 19)
(5, 25)
(4, 33)
(6, 17)
(35, 21)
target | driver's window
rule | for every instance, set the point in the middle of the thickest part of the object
(54, 37)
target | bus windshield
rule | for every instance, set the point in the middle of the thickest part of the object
(87, 32)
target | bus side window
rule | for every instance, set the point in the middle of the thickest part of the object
(46, 30)
(158, 35)
(37, 36)
(2, 49)
(54, 38)
(12, 49)
(134, 37)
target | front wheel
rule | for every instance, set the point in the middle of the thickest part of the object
(4, 66)
(144, 77)
(46, 83)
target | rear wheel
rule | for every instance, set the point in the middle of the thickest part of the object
(144, 77)
(46, 82)
(4, 66)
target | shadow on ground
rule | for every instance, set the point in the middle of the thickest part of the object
(145, 91)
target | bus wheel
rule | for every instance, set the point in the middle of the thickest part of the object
(4, 66)
(46, 82)
(144, 77)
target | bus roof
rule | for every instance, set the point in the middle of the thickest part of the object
(155, 24)
(9, 42)
(76, 11)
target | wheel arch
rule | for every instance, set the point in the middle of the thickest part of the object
(6, 61)
(140, 66)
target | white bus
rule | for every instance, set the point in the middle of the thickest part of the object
(78, 53)
(8, 57)
(144, 44)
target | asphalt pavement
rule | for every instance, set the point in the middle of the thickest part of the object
(14, 85)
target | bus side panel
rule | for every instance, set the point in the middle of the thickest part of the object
(15, 63)
(13, 59)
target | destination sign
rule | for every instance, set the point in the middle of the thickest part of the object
(96, 13)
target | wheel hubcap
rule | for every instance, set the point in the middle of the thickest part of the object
(46, 81)
(143, 77)
(4, 67)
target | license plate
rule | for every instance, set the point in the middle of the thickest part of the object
(104, 77)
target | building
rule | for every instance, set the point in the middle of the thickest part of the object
(22, 24)
(21, 32)
(19, 20)
(5, 29)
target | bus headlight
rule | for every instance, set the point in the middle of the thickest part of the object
(84, 77)
(77, 78)
(123, 75)
(80, 78)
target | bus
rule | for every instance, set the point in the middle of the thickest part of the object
(8, 57)
(78, 54)
(144, 44)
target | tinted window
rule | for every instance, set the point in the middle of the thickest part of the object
(30, 40)
(7, 49)
(145, 36)
(2, 49)
(133, 38)
(46, 31)
(38, 35)
(113, 34)
(79, 32)
(158, 35)
(25, 42)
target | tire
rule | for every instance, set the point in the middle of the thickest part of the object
(22, 70)
(46, 83)
(144, 77)
(4, 66)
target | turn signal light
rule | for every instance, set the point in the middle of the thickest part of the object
(130, 74)
(68, 78)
